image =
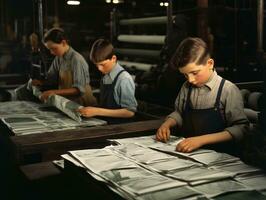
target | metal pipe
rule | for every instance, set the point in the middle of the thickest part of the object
(260, 26)
(113, 26)
(169, 25)
(40, 19)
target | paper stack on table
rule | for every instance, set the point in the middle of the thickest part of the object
(141, 168)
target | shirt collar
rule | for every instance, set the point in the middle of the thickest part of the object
(116, 69)
(212, 80)
(68, 53)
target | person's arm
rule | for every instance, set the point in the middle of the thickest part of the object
(95, 111)
(124, 92)
(51, 79)
(62, 92)
(174, 119)
(163, 133)
(80, 70)
(36, 82)
(237, 123)
(125, 98)
(193, 143)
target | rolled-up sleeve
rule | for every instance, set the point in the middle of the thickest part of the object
(80, 74)
(237, 122)
(126, 94)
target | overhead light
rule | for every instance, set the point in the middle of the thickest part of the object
(75, 3)
(114, 1)
(164, 4)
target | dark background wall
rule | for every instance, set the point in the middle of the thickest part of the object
(232, 23)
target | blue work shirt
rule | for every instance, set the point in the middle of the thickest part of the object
(124, 90)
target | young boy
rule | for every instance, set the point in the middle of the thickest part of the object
(117, 89)
(68, 73)
(208, 108)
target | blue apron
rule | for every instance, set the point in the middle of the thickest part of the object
(197, 122)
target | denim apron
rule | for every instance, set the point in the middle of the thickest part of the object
(107, 100)
(198, 122)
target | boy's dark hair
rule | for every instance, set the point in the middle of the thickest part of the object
(55, 35)
(190, 50)
(101, 50)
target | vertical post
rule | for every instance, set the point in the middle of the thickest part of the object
(169, 25)
(113, 25)
(236, 58)
(260, 26)
(261, 57)
(40, 18)
(2, 27)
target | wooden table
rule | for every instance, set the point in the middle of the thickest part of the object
(48, 146)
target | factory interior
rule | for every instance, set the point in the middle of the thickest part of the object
(49, 149)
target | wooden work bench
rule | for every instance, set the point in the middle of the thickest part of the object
(36, 152)
(48, 146)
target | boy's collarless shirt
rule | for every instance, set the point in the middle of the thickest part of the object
(124, 90)
(231, 104)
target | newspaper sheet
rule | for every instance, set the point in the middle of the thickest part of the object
(65, 105)
(133, 171)
(23, 117)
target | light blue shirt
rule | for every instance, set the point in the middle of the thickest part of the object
(124, 90)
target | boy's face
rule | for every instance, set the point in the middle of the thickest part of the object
(55, 48)
(198, 75)
(107, 65)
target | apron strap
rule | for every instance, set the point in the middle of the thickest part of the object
(114, 82)
(219, 93)
(188, 98)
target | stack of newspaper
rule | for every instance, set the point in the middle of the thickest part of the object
(141, 168)
(23, 117)
(66, 106)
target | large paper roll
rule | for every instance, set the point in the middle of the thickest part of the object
(137, 65)
(145, 39)
(138, 52)
(146, 20)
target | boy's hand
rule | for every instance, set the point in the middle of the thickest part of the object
(163, 133)
(189, 144)
(88, 111)
(36, 82)
(45, 95)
